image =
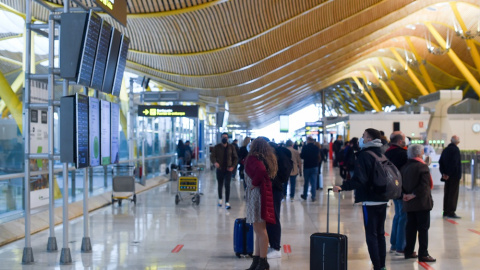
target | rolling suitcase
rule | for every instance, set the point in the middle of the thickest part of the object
(329, 250)
(242, 237)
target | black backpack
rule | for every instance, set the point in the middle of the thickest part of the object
(387, 180)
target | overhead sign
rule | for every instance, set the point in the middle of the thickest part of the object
(116, 8)
(284, 123)
(167, 111)
(314, 124)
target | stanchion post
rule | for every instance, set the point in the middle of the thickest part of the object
(472, 173)
(86, 244)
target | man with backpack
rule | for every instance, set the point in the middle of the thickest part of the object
(372, 197)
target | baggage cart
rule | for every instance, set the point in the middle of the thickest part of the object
(123, 184)
(187, 183)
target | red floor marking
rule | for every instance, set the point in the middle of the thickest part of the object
(386, 234)
(426, 266)
(287, 249)
(474, 231)
(452, 221)
(177, 248)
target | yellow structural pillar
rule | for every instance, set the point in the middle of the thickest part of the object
(354, 100)
(367, 96)
(344, 104)
(410, 73)
(385, 87)
(470, 43)
(372, 92)
(423, 70)
(359, 102)
(12, 101)
(456, 60)
(396, 91)
(16, 85)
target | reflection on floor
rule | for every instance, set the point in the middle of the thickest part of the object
(157, 234)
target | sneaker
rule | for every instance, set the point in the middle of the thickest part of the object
(274, 254)
(313, 199)
(303, 197)
(292, 199)
(400, 253)
(227, 206)
(220, 202)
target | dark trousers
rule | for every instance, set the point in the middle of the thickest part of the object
(274, 231)
(374, 221)
(418, 221)
(450, 196)
(224, 178)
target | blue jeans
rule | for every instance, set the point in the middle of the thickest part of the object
(310, 175)
(293, 181)
(374, 221)
(397, 237)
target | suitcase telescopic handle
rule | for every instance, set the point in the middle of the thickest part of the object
(328, 209)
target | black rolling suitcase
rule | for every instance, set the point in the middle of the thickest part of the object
(329, 250)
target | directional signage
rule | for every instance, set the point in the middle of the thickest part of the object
(167, 111)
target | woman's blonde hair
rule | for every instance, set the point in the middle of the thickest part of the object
(264, 152)
(246, 141)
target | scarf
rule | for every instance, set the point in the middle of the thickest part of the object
(423, 162)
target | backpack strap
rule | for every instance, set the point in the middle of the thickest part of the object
(378, 158)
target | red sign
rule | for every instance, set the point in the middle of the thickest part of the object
(420, 124)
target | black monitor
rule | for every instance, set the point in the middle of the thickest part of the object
(113, 52)
(105, 132)
(121, 63)
(89, 48)
(101, 56)
(94, 131)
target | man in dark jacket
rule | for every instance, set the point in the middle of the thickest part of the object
(374, 207)
(417, 202)
(225, 158)
(337, 146)
(451, 170)
(274, 231)
(397, 154)
(310, 154)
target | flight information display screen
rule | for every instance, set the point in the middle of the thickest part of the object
(89, 48)
(94, 131)
(121, 63)
(82, 131)
(115, 131)
(112, 59)
(105, 132)
(101, 56)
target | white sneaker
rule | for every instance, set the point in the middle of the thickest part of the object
(227, 206)
(274, 254)
(220, 202)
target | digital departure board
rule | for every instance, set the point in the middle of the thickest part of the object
(89, 49)
(115, 132)
(94, 131)
(81, 131)
(112, 59)
(105, 132)
(101, 56)
(120, 69)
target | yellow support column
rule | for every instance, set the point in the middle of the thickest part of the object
(355, 101)
(372, 92)
(471, 45)
(359, 102)
(386, 88)
(344, 105)
(12, 101)
(396, 91)
(16, 85)
(456, 60)
(367, 96)
(410, 73)
(423, 70)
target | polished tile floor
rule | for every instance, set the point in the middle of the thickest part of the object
(157, 234)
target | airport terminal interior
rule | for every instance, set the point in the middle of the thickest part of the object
(95, 96)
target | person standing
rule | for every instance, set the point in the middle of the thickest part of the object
(296, 170)
(337, 146)
(397, 154)
(237, 149)
(225, 158)
(188, 154)
(260, 167)
(451, 170)
(180, 154)
(310, 154)
(242, 154)
(374, 207)
(417, 203)
(319, 168)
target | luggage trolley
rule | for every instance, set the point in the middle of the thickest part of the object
(123, 184)
(187, 182)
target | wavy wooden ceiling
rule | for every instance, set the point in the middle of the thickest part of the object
(274, 57)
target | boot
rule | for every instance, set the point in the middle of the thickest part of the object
(254, 263)
(263, 264)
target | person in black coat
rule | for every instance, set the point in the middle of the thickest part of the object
(417, 203)
(242, 154)
(451, 170)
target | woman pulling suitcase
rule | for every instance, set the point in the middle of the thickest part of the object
(260, 167)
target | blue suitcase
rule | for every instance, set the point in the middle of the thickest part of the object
(242, 238)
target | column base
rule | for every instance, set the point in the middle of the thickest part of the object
(86, 245)
(27, 255)
(66, 256)
(52, 244)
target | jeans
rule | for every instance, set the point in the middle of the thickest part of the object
(224, 178)
(418, 221)
(293, 182)
(374, 221)
(274, 231)
(310, 175)
(397, 237)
